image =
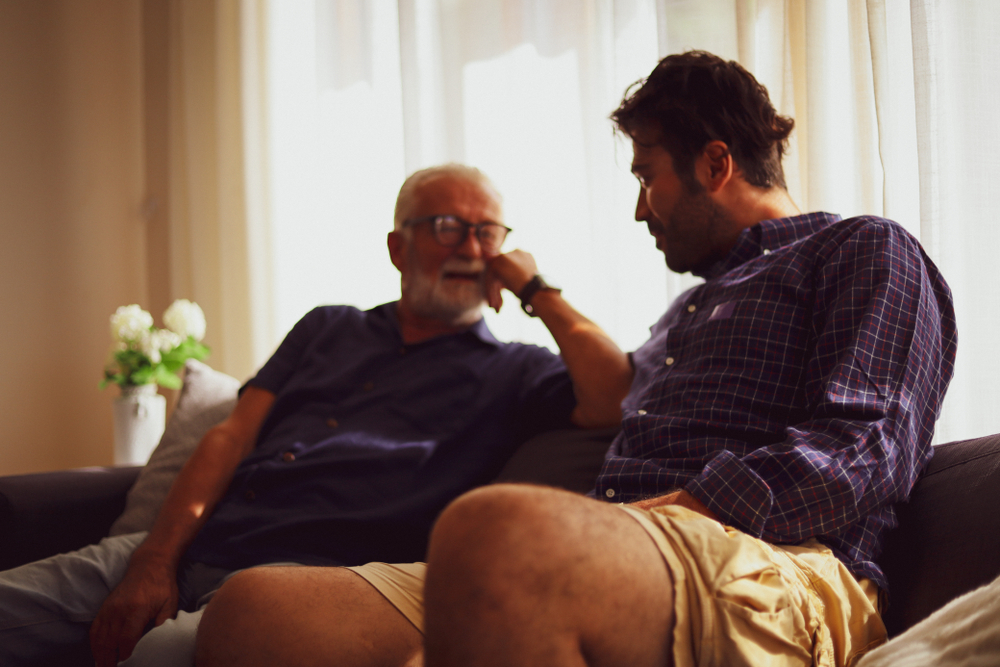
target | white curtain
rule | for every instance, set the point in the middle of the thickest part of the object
(891, 100)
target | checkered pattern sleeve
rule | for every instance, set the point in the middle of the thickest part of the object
(878, 360)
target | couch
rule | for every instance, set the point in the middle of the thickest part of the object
(947, 543)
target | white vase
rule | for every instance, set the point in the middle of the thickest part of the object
(140, 415)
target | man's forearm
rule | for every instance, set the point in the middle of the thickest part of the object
(204, 479)
(194, 494)
(600, 371)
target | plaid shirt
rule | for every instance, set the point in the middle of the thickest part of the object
(795, 391)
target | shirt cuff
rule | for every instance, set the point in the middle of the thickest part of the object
(735, 492)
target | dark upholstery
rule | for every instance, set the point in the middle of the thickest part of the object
(948, 540)
(53, 512)
(567, 459)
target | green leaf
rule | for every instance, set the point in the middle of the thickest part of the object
(165, 378)
(141, 376)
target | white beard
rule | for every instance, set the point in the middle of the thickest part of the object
(454, 302)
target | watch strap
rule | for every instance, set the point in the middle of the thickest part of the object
(528, 292)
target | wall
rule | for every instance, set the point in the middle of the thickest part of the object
(72, 168)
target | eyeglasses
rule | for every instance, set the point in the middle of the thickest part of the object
(451, 231)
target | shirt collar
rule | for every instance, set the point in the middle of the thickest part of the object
(478, 330)
(767, 236)
(483, 333)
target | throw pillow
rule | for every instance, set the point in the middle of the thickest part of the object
(206, 399)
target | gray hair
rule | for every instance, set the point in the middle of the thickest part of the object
(416, 180)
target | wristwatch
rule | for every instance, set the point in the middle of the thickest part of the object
(534, 286)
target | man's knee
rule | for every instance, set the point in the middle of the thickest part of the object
(497, 516)
(233, 614)
(500, 532)
(542, 571)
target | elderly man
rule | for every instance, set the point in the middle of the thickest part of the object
(777, 413)
(341, 451)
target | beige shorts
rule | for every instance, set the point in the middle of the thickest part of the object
(402, 584)
(741, 601)
(737, 600)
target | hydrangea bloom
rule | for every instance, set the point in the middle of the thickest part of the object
(185, 319)
(149, 345)
(167, 340)
(142, 354)
(129, 323)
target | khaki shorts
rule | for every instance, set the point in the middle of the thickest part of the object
(737, 600)
(402, 584)
(741, 601)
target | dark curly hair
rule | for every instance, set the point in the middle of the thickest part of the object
(693, 98)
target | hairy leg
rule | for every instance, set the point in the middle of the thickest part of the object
(527, 576)
(303, 617)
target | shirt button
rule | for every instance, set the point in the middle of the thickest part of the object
(368, 386)
(288, 457)
(610, 493)
(332, 423)
(766, 251)
(640, 412)
(250, 495)
(669, 361)
(691, 308)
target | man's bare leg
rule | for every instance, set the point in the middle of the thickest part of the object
(303, 617)
(530, 577)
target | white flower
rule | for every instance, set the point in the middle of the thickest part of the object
(185, 318)
(149, 345)
(167, 340)
(129, 323)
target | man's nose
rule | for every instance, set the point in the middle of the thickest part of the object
(470, 247)
(642, 212)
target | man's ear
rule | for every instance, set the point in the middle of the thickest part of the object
(396, 244)
(716, 165)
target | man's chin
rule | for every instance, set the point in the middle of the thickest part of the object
(451, 312)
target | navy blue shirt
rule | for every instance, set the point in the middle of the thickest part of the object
(368, 439)
(795, 391)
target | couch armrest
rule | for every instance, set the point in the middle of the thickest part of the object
(948, 539)
(53, 512)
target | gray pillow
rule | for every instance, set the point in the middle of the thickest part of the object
(206, 399)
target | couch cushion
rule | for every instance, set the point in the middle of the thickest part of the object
(568, 459)
(948, 540)
(207, 398)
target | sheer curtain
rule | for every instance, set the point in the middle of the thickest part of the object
(890, 99)
(362, 93)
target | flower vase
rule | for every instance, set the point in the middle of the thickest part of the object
(140, 415)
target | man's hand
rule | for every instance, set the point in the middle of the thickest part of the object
(682, 498)
(512, 270)
(148, 592)
(601, 372)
